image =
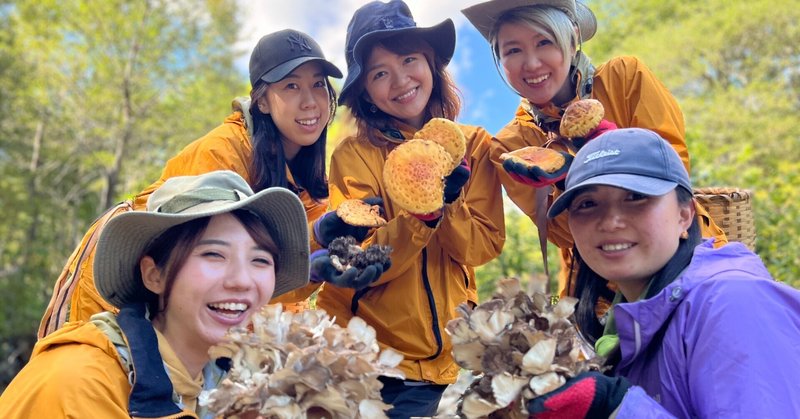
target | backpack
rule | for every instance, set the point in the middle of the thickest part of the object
(78, 266)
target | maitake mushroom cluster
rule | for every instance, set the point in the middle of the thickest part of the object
(521, 346)
(414, 171)
(345, 253)
(302, 365)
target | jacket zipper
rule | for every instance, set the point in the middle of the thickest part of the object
(432, 303)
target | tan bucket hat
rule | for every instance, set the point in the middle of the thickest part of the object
(484, 15)
(185, 198)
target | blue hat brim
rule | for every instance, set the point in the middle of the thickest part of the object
(644, 185)
(441, 37)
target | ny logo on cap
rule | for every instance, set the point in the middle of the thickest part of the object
(298, 43)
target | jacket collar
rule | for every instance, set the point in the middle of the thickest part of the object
(395, 134)
(151, 392)
(639, 322)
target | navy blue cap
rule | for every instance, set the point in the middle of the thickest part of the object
(377, 20)
(635, 159)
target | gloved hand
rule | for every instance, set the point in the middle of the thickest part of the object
(455, 181)
(588, 395)
(603, 126)
(331, 226)
(535, 176)
(322, 269)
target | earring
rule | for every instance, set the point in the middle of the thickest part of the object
(685, 235)
(373, 108)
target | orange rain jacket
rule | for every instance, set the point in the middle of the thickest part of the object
(226, 147)
(432, 268)
(632, 97)
(76, 372)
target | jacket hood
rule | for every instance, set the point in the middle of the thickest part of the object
(101, 332)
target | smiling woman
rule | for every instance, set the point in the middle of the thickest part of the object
(205, 254)
(540, 46)
(689, 334)
(396, 84)
(278, 141)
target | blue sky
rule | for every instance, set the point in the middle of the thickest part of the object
(488, 102)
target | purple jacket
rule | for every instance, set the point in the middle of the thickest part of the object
(731, 342)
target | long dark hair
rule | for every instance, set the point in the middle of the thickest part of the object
(267, 167)
(591, 286)
(444, 101)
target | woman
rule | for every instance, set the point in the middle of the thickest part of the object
(694, 331)
(397, 82)
(205, 254)
(279, 141)
(539, 43)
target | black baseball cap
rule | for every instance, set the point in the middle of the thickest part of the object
(279, 53)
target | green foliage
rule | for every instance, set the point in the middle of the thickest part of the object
(96, 95)
(521, 256)
(735, 69)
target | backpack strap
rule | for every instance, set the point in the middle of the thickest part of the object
(242, 104)
(151, 391)
(57, 311)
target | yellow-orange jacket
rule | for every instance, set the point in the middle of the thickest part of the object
(77, 372)
(432, 268)
(632, 97)
(226, 147)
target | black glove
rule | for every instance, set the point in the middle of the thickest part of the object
(322, 269)
(331, 226)
(535, 176)
(455, 181)
(588, 395)
(431, 220)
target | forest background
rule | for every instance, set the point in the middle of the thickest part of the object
(95, 96)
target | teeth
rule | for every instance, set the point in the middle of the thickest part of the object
(405, 95)
(537, 79)
(308, 121)
(616, 247)
(229, 306)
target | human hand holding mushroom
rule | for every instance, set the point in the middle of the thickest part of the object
(540, 166)
(354, 217)
(425, 173)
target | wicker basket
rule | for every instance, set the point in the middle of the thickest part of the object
(732, 210)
